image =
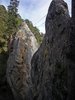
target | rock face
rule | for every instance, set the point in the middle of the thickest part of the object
(72, 56)
(50, 63)
(22, 47)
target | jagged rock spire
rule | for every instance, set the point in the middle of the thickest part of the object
(49, 64)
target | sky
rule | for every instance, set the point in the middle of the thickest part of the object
(34, 10)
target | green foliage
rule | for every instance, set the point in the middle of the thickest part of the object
(3, 40)
(9, 22)
(35, 31)
(3, 19)
(3, 43)
(3, 27)
(12, 17)
(8, 25)
(19, 20)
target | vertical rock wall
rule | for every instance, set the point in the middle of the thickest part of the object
(23, 47)
(71, 56)
(50, 63)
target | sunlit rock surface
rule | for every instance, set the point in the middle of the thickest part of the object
(22, 46)
(50, 63)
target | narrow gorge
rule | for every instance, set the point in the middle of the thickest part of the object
(45, 71)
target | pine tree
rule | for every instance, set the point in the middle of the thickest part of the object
(12, 8)
(12, 16)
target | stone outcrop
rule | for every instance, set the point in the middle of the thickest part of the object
(50, 63)
(21, 47)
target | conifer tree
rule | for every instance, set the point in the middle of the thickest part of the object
(12, 16)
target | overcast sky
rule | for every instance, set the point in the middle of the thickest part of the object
(34, 10)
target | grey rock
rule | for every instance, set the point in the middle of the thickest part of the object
(72, 56)
(23, 45)
(50, 63)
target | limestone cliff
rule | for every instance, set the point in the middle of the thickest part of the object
(50, 63)
(22, 47)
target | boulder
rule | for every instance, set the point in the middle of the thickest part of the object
(49, 72)
(22, 47)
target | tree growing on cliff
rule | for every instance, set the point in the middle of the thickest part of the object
(12, 16)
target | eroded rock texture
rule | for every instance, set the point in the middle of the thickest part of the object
(22, 47)
(50, 63)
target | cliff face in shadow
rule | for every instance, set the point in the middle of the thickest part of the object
(50, 63)
(22, 47)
